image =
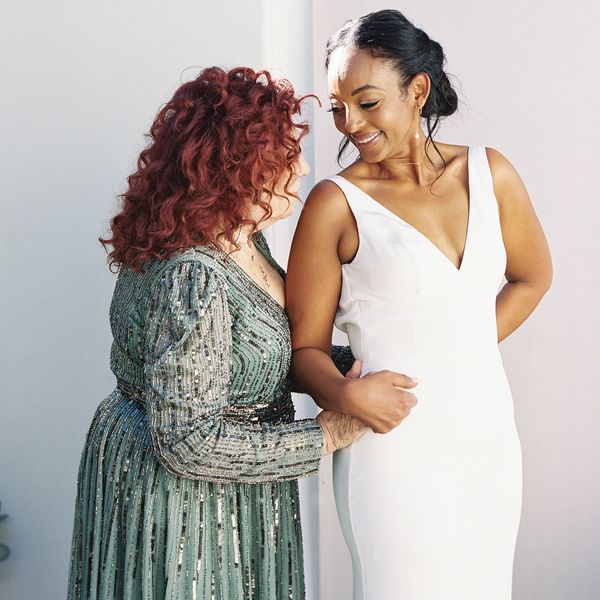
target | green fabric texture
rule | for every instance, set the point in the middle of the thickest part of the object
(187, 485)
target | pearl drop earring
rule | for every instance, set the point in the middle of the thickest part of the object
(417, 135)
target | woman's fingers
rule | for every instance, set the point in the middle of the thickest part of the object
(397, 379)
(384, 399)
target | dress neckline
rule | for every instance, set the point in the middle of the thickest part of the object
(244, 275)
(467, 236)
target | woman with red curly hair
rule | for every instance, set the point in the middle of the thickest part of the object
(187, 484)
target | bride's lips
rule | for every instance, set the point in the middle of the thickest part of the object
(366, 141)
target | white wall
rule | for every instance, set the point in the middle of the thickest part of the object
(81, 82)
(529, 83)
(281, 56)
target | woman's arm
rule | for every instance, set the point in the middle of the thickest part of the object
(326, 237)
(188, 356)
(528, 262)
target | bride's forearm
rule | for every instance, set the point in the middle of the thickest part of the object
(314, 372)
(515, 302)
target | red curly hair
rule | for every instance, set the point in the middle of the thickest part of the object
(216, 147)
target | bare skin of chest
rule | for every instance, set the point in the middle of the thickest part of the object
(266, 277)
(277, 287)
(439, 212)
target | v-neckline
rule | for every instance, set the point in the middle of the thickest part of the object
(419, 232)
(245, 275)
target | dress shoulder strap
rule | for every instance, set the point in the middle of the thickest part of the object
(481, 183)
(354, 196)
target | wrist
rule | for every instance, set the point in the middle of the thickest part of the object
(328, 444)
(349, 397)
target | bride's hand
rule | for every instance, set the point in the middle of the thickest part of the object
(355, 370)
(382, 399)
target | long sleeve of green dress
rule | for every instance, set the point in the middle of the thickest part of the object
(188, 365)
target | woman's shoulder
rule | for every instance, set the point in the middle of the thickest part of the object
(200, 263)
(204, 263)
(458, 153)
(205, 256)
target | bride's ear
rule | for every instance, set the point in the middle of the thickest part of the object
(419, 88)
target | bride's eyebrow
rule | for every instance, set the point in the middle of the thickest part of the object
(362, 88)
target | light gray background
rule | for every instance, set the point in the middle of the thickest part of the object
(82, 82)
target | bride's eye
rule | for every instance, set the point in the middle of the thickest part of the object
(367, 105)
(334, 109)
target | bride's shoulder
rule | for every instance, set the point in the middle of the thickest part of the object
(325, 193)
(327, 203)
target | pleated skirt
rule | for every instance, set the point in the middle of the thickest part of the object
(141, 532)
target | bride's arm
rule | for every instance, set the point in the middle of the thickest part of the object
(325, 238)
(528, 263)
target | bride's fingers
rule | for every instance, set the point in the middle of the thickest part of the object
(355, 370)
(401, 380)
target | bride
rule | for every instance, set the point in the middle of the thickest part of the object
(405, 250)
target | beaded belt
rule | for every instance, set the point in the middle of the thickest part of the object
(278, 410)
(132, 392)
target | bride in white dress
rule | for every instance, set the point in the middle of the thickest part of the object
(405, 251)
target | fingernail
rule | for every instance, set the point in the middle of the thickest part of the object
(415, 379)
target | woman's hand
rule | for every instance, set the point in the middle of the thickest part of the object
(381, 399)
(339, 430)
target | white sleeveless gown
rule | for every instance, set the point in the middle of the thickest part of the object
(431, 510)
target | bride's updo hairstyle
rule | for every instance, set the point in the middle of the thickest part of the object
(389, 35)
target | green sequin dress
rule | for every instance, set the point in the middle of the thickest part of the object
(187, 486)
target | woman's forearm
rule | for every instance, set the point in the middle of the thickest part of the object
(515, 302)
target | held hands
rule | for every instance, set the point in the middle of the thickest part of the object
(341, 430)
(380, 399)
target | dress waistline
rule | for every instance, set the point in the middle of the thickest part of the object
(131, 392)
(278, 410)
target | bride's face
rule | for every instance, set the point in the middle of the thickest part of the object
(369, 105)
